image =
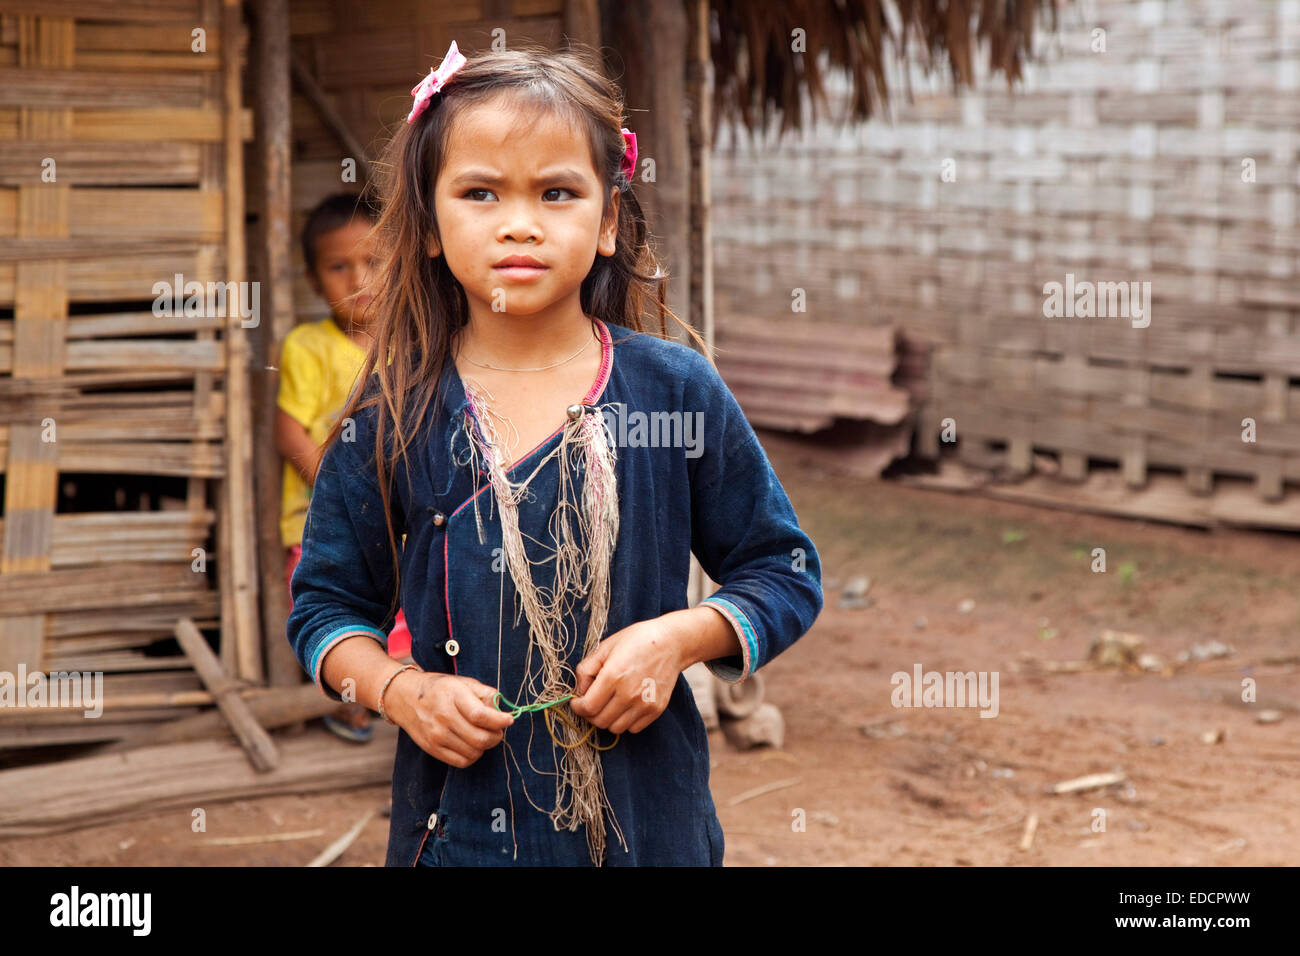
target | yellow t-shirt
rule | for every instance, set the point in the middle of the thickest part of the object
(319, 365)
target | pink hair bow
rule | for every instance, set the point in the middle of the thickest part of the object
(434, 82)
(629, 154)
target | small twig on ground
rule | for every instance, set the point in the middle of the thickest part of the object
(1031, 827)
(759, 791)
(337, 848)
(262, 838)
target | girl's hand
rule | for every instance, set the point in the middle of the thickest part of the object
(450, 718)
(626, 684)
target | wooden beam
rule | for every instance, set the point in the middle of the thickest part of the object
(279, 707)
(309, 88)
(257, 743)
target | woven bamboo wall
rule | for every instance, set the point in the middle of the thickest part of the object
(366, 57)
(1118, 165)
(92, 382)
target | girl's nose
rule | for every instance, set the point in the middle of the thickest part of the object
(521, 226)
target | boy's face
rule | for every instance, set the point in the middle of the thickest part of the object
(345, 263)
(519, 188)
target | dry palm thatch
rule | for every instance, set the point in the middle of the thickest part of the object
(760, 71)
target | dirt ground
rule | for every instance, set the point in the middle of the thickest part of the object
(880, 785)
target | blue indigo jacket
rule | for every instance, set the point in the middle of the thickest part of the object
(692, 478)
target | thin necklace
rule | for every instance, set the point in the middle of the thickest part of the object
(540, 368)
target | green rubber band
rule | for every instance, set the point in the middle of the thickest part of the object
(514, 710)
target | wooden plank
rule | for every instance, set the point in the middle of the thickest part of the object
(1164, 498)
(274, 708)
(150, 780)
(98, 589)
(54, 88)
(37, 250)
(96, 36)
(127, 60)
(200, 125)
(181, 13)
(86, 164)
(262, 752)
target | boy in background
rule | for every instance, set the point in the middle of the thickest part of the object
(319, 364)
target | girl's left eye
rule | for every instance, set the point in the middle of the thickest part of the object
(558, 189)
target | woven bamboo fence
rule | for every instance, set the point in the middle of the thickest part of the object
(1151, 143)
(121, 131)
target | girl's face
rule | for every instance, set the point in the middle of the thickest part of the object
(511, 189)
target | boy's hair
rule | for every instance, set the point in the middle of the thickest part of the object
(334, 212)
(420, 305)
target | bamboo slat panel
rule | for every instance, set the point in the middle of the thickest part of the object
(116, 138)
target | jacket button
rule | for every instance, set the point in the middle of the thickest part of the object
(433, 820)
(439, 518)
(452, 648)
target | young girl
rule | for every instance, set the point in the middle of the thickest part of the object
(553, 465)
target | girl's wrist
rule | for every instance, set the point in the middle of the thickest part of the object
(397, 703)
(703, 634)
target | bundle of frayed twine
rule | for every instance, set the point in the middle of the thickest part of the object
(582, 562)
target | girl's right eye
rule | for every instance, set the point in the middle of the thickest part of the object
(471, 192)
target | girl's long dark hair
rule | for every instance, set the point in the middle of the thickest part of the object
(418, 303)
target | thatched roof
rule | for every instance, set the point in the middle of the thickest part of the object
(759, 77)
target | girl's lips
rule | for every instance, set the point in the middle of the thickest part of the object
(520, 272)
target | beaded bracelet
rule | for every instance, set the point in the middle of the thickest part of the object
(383, 690)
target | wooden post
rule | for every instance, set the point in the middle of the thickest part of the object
(238, 486)
(700, 141)
(274, 130)
(651, 37)
(699, 88)
(582, 21)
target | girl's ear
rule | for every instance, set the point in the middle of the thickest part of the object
(433, 247)
(608, 242)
